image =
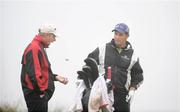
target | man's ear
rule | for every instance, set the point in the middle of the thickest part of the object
(127, 37)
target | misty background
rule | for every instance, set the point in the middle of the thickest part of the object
(83, 25)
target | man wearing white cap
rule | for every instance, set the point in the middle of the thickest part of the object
(37, 78)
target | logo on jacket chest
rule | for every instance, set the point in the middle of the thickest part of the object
(125, 57)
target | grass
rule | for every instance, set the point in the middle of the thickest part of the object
(17, 106)
(8, 108)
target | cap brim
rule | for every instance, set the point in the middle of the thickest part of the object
(120, 31)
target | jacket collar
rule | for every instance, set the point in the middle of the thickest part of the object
(38, 39)
(128, 45)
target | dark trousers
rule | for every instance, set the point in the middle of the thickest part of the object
(36, 104)
(120, 104)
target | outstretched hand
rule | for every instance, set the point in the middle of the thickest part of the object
(62, 79)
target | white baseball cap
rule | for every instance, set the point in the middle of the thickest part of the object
(48, 28)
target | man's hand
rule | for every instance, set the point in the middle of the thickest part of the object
(62, 79)
(130, 95)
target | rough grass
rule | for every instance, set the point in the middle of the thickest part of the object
(17, 106)
(8, 108)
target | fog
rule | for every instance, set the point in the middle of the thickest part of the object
(84, 25)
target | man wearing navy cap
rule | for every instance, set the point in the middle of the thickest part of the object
(127, 74)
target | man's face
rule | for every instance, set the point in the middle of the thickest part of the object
(120, 38)
(48, 39)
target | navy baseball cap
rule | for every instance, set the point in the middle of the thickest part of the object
(122, 28)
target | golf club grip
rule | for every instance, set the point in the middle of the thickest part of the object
(109, 73)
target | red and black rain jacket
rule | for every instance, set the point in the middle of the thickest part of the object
(36, 75)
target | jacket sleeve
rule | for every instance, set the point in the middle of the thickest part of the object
(95, 55)
(50, 70)
(33, 68)
(54, 75)
(136, 75)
